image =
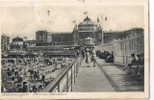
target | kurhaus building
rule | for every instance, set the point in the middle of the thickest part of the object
(82, 31)
(89, 29)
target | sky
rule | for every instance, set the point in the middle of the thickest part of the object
(25, 21)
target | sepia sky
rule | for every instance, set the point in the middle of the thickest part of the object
(25, 21)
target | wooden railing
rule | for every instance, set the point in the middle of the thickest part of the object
(65, 81)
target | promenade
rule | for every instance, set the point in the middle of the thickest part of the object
(104, 77)
(91, 79)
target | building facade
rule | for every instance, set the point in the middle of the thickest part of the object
(126, 43)
(30, 43)
(5, 42)
(42, 36)
(88, 29)
(112, 35)
(63, 38)
(17, 43)
(84, 30)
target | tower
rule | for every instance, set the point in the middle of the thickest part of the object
(75, 35)
(41, 36)
(100, 30)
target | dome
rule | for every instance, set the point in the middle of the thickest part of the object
(16, 39)
(87, 21)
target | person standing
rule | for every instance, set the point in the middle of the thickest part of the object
(132, 66)
(93, 59)
(87, 58)
(133, 61)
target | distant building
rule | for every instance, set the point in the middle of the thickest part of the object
(29, 43)
(44, 38)
(5, 41)
(63, 38)
(89, 29)
(112, 35)
(86, 29)
(17, 43)
(124, 43)
(51, 51)
(49, 37)
(41, 36)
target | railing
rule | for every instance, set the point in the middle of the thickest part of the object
(65, 81)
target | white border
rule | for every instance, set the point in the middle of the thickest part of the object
(92, 95)
(151, 2)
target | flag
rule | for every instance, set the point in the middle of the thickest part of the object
(98, 20)
(105, 18)
(74, 21)
(48, 12)
(81, 1)
(85, 13)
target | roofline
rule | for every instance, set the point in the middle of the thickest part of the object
(124, 30)
(51, 33)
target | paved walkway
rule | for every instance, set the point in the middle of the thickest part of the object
(91, 79)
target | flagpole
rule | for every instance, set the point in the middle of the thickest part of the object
(85, 13)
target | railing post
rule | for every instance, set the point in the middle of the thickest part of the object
(58, 87)
(65, 81)
(77, 65)
(71, 77)
(67, 87)
(74, 72)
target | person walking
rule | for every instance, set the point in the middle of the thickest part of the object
(86, 60)
(140, 66)
(93, 59)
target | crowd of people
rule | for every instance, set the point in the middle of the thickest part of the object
(30, 75)
(88, 54)
(136, 66)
